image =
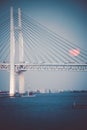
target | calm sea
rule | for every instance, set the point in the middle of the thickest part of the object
(44, 112)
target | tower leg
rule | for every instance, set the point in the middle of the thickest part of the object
(12, 55)
(21, 83)
(12, 82)
(21, 53)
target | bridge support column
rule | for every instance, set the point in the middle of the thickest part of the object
(21, 53)
(21, 83)
(12, 55)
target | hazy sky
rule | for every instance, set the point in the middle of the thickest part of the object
(68, 18)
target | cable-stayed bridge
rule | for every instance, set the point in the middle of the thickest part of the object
(25, 45)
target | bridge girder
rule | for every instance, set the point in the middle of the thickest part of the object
(65, 67)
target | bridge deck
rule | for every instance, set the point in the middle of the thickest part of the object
(55, 67)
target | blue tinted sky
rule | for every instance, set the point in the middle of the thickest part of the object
(68, 18)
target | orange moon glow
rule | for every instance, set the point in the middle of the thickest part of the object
(74, 52)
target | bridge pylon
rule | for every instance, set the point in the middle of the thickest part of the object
(21, 53)
(12, 54)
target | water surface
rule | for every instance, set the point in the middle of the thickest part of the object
(44, 112)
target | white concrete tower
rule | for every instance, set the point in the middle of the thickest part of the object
(21, 53)
(12, 54)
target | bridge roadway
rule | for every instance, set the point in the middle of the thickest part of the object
(56, 67)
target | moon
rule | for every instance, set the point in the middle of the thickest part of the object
(74, 52)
